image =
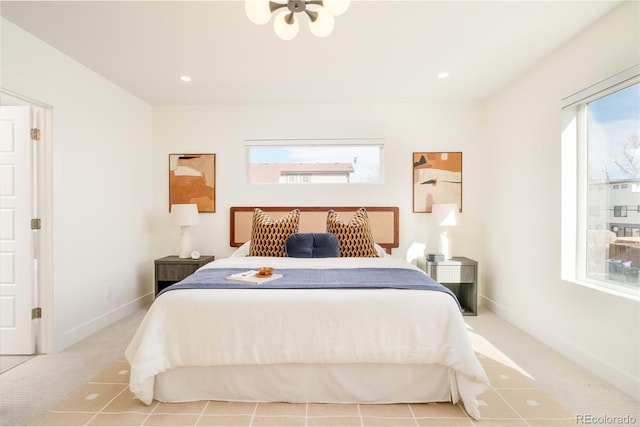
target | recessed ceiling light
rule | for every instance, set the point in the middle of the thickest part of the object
(185, 78)
(443, 75)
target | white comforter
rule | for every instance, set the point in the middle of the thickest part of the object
(206, 327)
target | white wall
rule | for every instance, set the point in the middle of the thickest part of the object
(101, 181)
(405, 128)
(521, 171)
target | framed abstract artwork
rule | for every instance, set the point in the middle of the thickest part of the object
(192, 179)
(437, 178)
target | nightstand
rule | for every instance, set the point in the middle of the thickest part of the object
(172, 269)
(461, 276)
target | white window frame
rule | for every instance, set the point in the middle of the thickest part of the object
(574, 209)
(373, 142)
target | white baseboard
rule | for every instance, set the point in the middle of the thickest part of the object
(89, 328)
(604, 370)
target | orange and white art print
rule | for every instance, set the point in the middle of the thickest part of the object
(192, 179)
(437, 178)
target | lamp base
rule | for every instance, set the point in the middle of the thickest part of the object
(445, 246)
(185, 242)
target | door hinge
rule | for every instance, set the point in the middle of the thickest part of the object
(36, 313)
(36, 224)
(35, 134)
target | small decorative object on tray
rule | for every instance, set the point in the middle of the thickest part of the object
(264, 274)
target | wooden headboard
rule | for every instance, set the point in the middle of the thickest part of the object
(384, 221)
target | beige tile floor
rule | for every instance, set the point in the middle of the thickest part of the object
(513, 400)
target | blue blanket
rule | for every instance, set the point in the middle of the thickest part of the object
(308, 278)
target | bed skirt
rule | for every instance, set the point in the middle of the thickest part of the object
(300, 383)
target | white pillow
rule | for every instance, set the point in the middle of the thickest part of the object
(243, 250)
(380, 251)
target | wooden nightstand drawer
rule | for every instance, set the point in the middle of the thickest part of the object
(174, 271)
(460, 275)
(453, 273)
(171, 269)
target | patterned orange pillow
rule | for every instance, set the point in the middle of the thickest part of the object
(356, 239)
(268, 237)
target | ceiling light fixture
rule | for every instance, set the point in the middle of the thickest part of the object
(285, 23)
(185, 78)
(443, 75)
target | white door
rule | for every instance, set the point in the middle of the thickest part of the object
(16, 236)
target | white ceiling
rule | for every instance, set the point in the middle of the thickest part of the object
(387, 51)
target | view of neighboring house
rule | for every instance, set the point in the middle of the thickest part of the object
(614, 236)
(300, 173)
(624, 208)
(621, 202)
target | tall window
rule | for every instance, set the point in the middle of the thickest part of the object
(601, 177)
(326, 161)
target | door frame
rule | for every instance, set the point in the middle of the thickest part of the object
(42, 117)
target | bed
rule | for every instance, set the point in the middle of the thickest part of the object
(332, 329)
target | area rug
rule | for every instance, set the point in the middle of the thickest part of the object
(512, 401)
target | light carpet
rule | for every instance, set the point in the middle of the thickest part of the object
(10, 362)
(512, 401)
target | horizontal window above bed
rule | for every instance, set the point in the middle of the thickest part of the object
(315, 161)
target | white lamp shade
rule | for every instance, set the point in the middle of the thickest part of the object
(323, 25)
(336, 7)
(184, 214)
(283, 29)
(258, 11)
(445, 214)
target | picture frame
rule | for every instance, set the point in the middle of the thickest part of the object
(192, 179)
(437, 178)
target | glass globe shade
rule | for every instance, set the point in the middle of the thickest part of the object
(283, 29)
(257, 11)
(323, 25)
(336, 7)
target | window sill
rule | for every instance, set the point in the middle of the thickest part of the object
(625, 292)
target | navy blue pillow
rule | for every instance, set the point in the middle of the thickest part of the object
(312, 245)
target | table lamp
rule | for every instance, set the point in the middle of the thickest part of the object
(184, 216)
(444, 216)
